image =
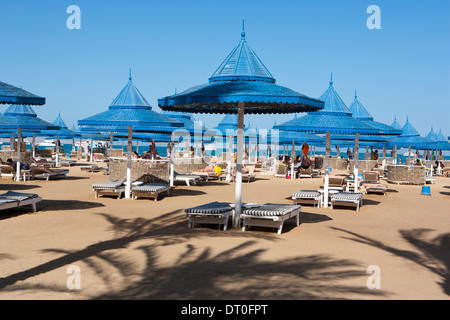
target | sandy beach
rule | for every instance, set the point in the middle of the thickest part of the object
(143, 249)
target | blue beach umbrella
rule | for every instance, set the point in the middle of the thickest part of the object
(241, 84)
(129, 108)
(335, 118)
(10, 94)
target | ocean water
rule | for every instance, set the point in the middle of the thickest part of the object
(162, 151)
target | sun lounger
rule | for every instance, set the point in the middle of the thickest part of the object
(347, 199)
(90, 168)
(13, 199)
(249, 176)
(270, 215)
(210, 213)
(67, 163)
(7, 171)
(149, 190)
(109, 188)
(45, 173)
(307, 196)
(100, 157)
(305, 173)
(187, 178)
(280, 171)
(337, 182)
(371, 182)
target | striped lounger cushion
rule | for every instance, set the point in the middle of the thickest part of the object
(210, 208)
(308, 195)
(210, 213)
(270, 215)
(269, 210)
(348, 197)
(149, 190)
(111, 185)
(150, 187)
(17, 196)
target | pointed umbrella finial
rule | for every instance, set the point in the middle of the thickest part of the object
(356, 96)
(331, 79)
(243, 31)
(129, 77)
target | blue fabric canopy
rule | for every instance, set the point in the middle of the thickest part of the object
(10, 94)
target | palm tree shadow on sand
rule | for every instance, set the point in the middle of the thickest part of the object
(433, 254)
(202, 272)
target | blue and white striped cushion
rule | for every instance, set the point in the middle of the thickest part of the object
(210, 208)
(151, 187)
(271, 210)
(17, 196)
(111, 185)
(346, 196)
(306, 194)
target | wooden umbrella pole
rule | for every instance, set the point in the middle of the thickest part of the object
(111, 141)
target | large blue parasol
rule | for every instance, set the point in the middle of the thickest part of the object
(10, 94)
(241, 84)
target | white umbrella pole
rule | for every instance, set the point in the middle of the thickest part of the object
(172, 153)
(33, 145)
(239, 148)
(356, 162)
(91, 150)
(327, 170)
(19, 149)
(129, 151)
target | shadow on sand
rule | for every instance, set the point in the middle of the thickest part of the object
(432, 254)
(204, 272)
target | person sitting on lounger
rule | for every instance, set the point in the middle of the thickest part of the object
(305, 162)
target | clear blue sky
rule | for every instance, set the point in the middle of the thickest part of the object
(402, 69)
